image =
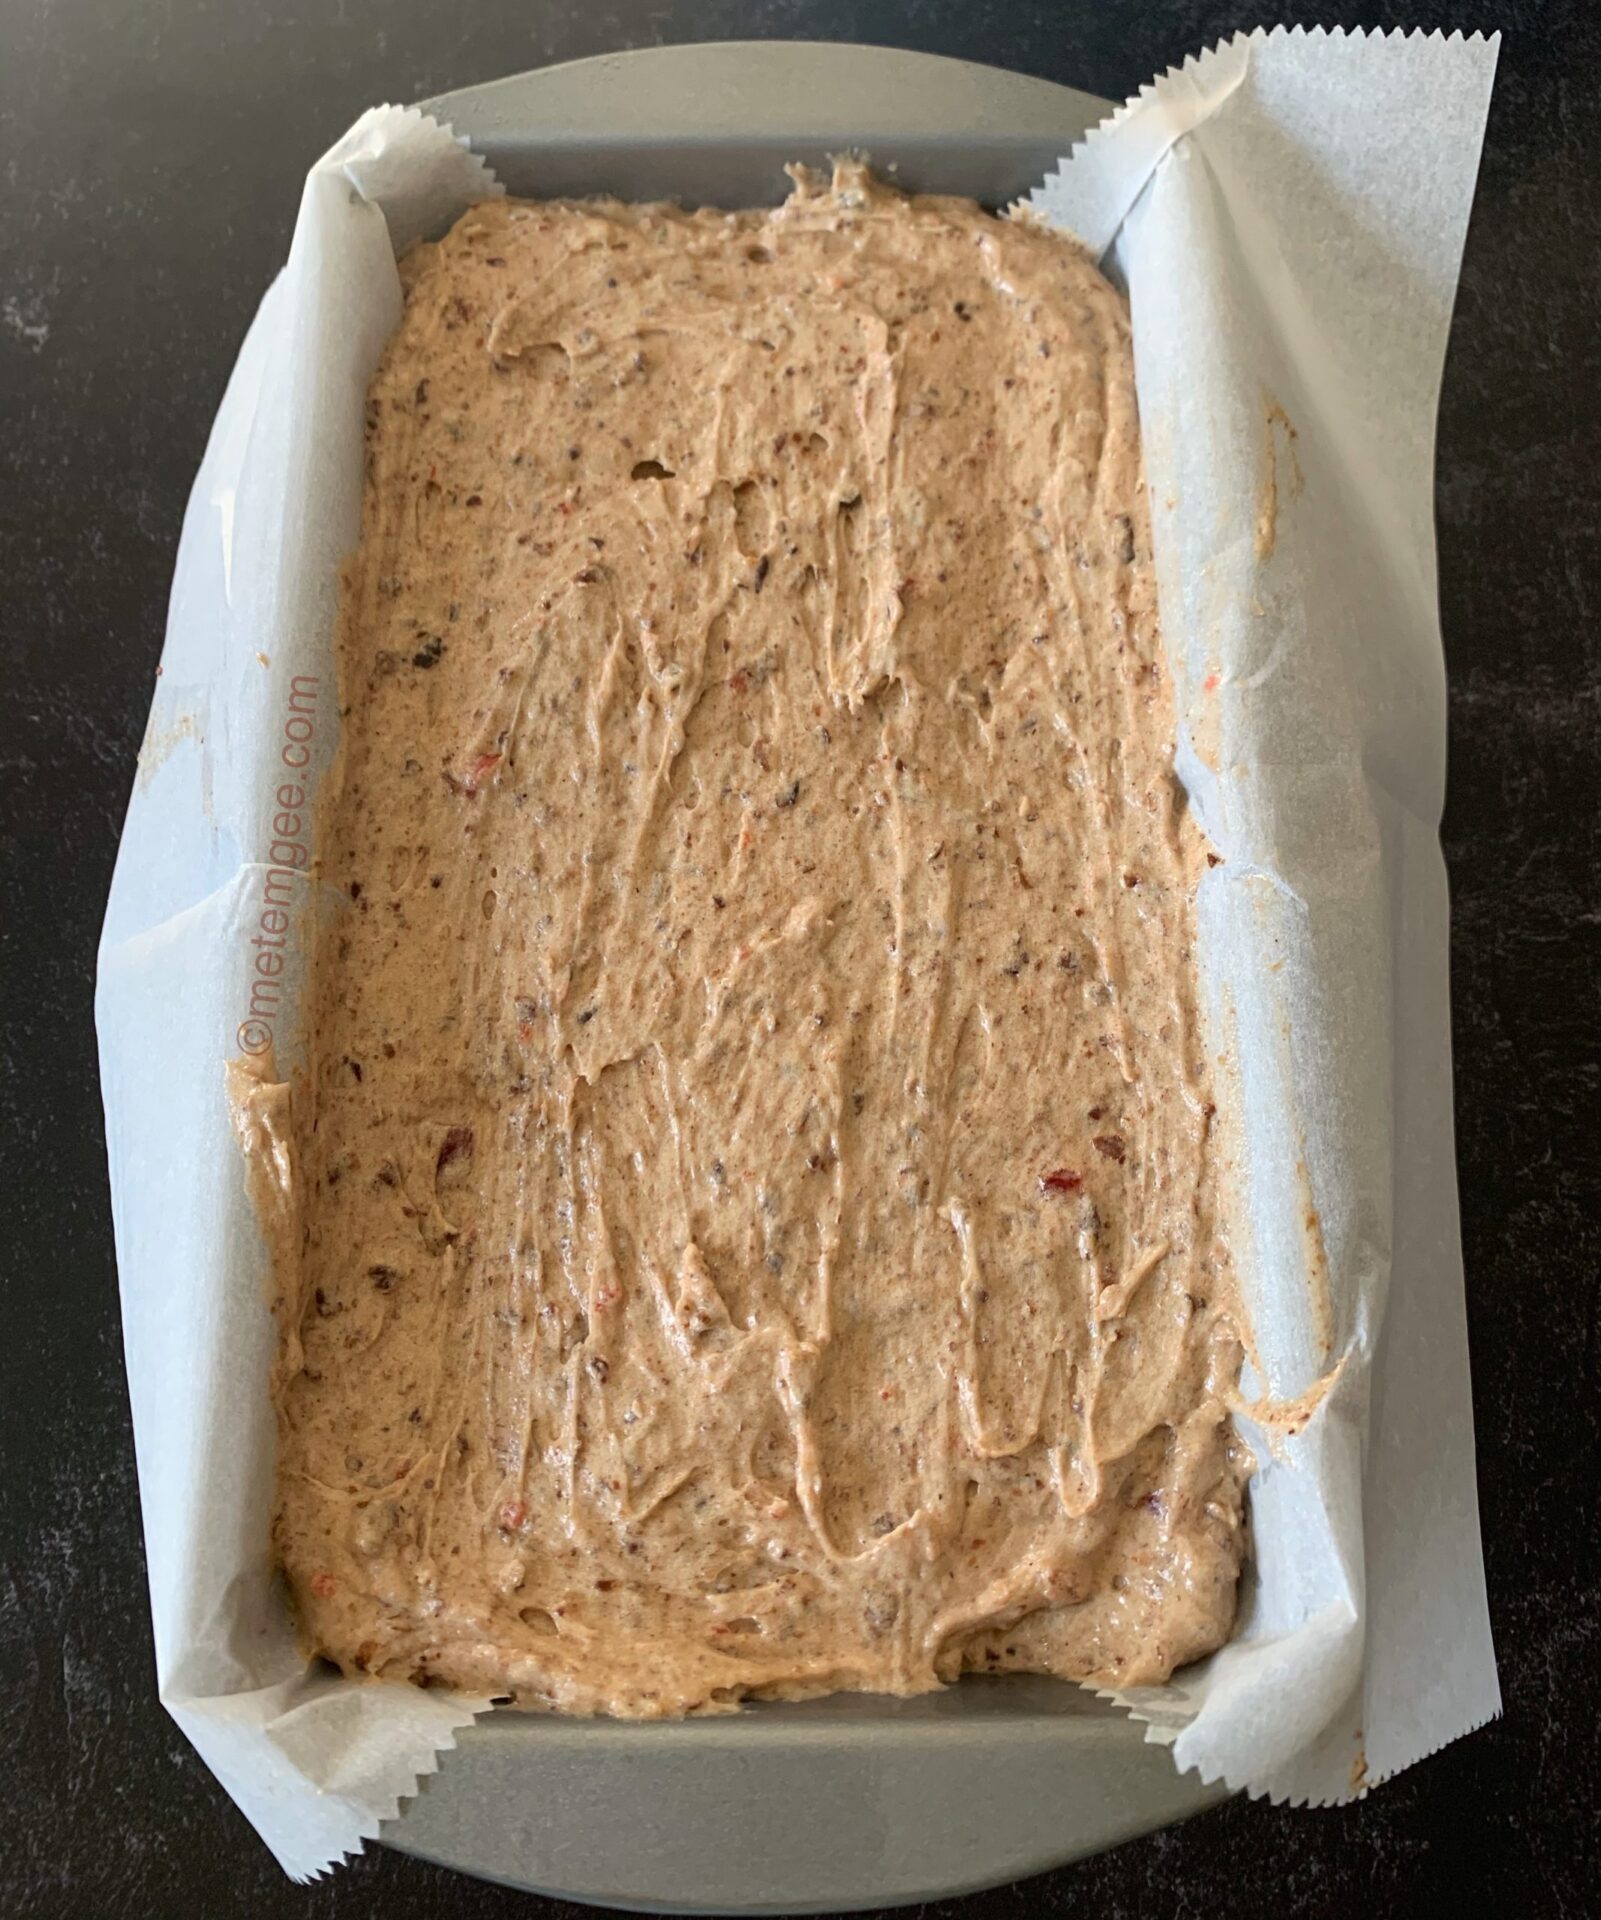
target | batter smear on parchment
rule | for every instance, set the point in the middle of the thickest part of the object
(753, 1226)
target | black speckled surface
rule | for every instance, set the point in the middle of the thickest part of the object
(152, 155)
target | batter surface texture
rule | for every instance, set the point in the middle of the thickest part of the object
(752, 1221)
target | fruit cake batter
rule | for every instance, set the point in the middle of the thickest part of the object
(748, 1224)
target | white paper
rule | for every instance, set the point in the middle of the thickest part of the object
(313, 1761)
(1288, 212)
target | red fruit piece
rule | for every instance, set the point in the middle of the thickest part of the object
(477, 775)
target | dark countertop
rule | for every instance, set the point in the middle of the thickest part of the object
(153, 155)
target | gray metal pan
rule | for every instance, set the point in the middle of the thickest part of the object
(854, 1801)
